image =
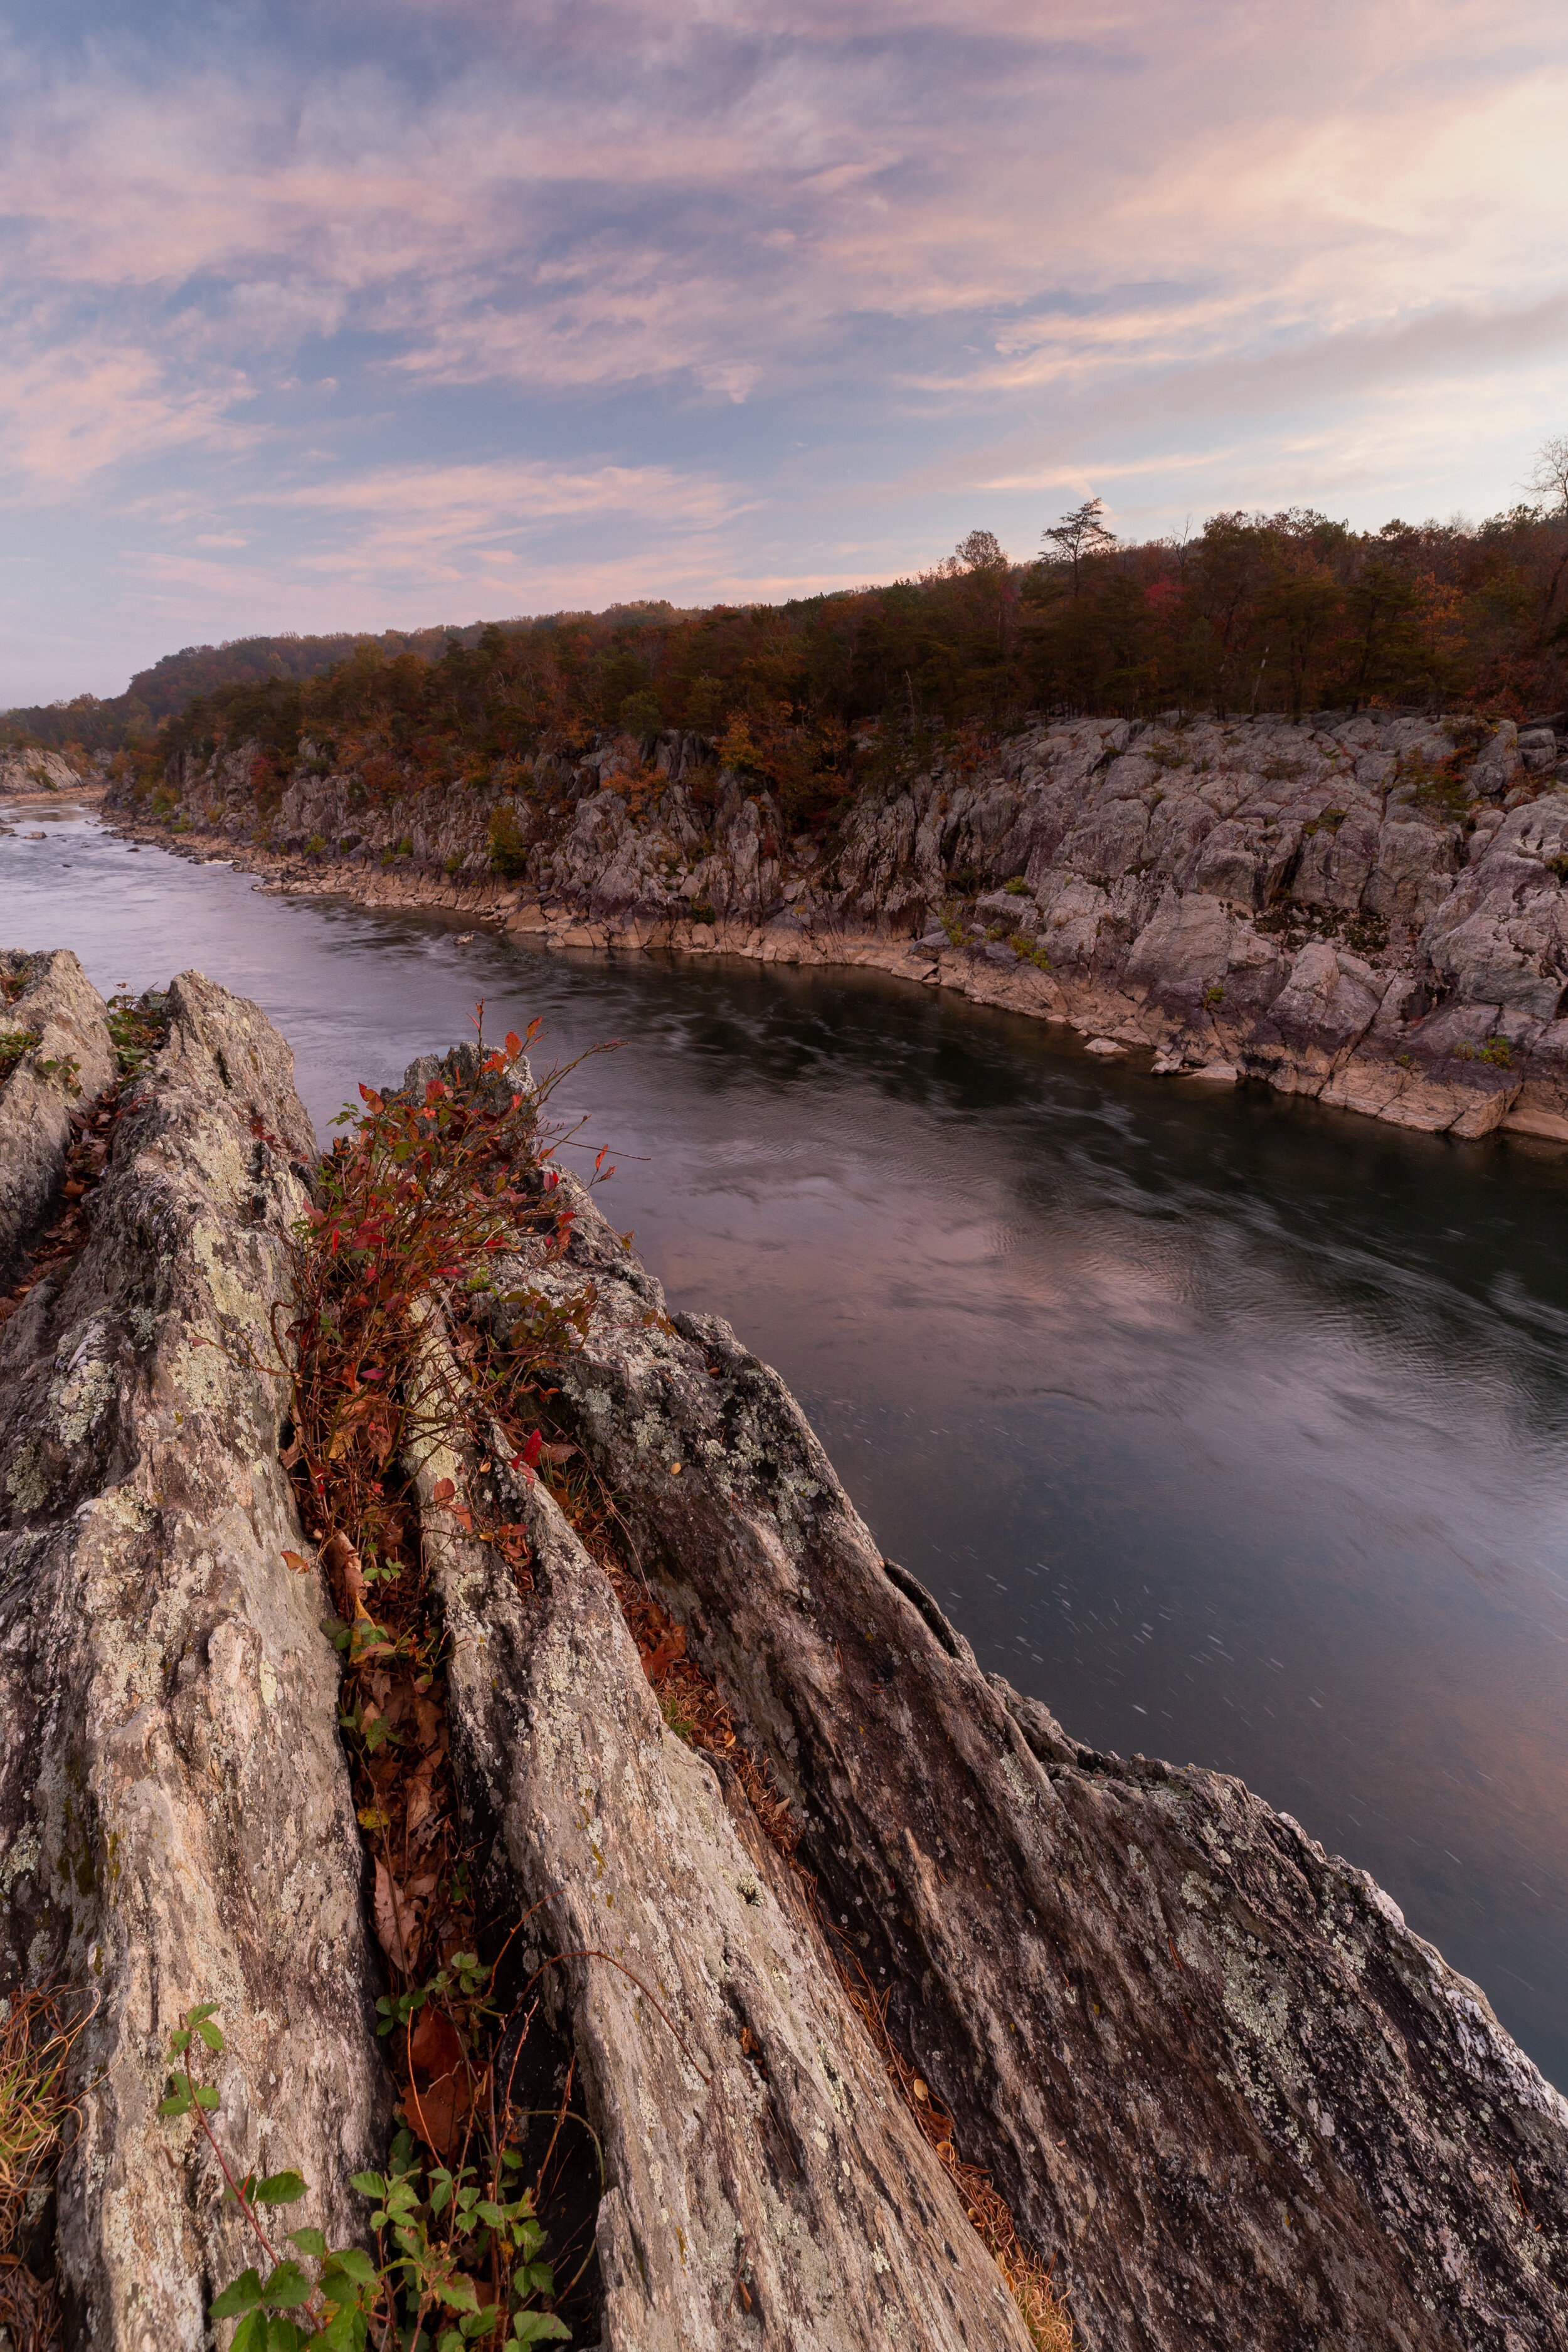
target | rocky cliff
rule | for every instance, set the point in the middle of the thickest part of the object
(1369, 908)
(1212, 2075)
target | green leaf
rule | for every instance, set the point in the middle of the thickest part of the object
(458, 2292)
(369, 2184)
(243, 2295)
(175, 2104)
(207, 2009)
(204, 2096)
(481, 2322)
(288, 2285)
(351, 2263)
(493, 2215)
(347, 2331)
(279, 2188)
(283, 2335)
(539, 2278)
(310, 2241)
(250, 2336)
(539, 2328)
(209, 2034)
(448, 2341)
(178, 2044)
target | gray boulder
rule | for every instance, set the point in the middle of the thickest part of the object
(55, 1001)
(1327, 1002)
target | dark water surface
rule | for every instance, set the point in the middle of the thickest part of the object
(1235, 1430)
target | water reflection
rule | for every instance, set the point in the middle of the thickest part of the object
(1234, 1428)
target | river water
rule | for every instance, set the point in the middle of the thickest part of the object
(1235, 1430)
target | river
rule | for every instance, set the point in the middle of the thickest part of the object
(1235, 1430)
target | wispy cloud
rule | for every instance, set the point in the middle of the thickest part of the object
(944, 253)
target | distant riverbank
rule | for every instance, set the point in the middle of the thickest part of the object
(1368, 909)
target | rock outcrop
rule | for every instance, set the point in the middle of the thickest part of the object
(765, 2184)
(52, 1012)
(26, 774)
(1369, 908)
(176, 1822)
(1207, 2065)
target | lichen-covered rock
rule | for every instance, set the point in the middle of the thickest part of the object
(176, 1820)
(766, 2186)
(1210, 2066)
(1434, 850)
(48, 997)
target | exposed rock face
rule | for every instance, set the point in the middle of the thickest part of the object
(1211, 2070)
(1209, 2064)
(776, 2193)
(55, 1001)
(27, 773)
(1163, 883)
(176, 1822)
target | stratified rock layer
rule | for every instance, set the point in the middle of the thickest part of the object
(766, 2186)
(1210, 2065)
(175, 1822)
(1367, 908)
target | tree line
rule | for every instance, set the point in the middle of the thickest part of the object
(1289, 612)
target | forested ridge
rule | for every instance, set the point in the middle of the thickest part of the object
(1286, 612)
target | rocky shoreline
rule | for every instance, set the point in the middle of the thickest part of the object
(1215, 2076)
(1368, 908)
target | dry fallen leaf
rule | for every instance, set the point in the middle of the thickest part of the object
(660, 1660)
(343, 1563)
(396, 1921)
(419, 1816)
(440, 2113)
(434, 2046)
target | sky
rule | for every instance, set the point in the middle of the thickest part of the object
(356, 315)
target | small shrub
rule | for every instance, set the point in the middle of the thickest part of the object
(508, 849)
(449, 866)
(1215, 993)
(703, 912)
(1018, 887)
(1497, 1053)
(315, 845)
(14, 1043)
(443, 2235)
(405, 846)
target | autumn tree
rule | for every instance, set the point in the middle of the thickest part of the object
(1077, 536)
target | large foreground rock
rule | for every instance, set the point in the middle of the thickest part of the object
(1210, 2065)
(175, 1822)
(766, 2186)
(1210, 2069)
